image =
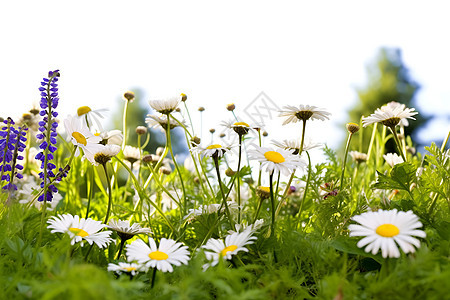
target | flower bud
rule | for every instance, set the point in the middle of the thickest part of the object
(229, 172)
(159, 151)
(183, 97)
(165, 171)
(201, 108)
(352, 127)
(231, 107)
(128, 96)
(140, 130)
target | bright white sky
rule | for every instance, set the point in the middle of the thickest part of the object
(297, 52)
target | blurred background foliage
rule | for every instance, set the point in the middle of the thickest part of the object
(388, 80)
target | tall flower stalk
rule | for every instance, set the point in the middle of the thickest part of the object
(11, 145)
(47, 135)
(352, 128)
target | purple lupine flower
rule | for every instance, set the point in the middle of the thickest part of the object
(47, 134)
(12, 143)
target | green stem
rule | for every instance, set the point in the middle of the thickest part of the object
(108, 180)
(238, 182)
(372, 139)
(189, 116)
(305, 191)
(169, 143)
(122, 244)
(153, 277)
(341, 182)
(397, 142)
(272, 201)
(144, 195)
(91, 189)
(224, 199)
(124, 124)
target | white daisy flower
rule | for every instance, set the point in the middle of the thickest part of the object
(358, 156)
(131, 154)
(211, 209)
(235, 242)
(165, 106)
(249, 227)
(103, 154)
(392, 159)
(113, 137)
(212, 150)
(295, 114)
(161, 257)
(294, 145)
(79, 135)
(161, 122)
(241, 128)
(384, 228)
(125, 231)
(80, 230)
(89, 116)
(390, 115)
(277, 160)
(129, 268)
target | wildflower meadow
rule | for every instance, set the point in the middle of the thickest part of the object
(87, 214)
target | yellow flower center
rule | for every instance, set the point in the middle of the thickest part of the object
(387, 230)
(228, 249)
(83, 110)
(97, 134)
(264, 189)
(129, 269)
(79, 138)
(241, 124)
(79, 232)
(158, 255)
(215, 146)
(274, 156)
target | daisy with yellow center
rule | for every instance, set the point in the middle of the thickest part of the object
(90, 117)
(79, 135)
(161, 257)
(129, 268)
(213, 150)
(385, 229)
(294, 114)
(216, 249)
(80, 230)
(390, 115)
(279, 160)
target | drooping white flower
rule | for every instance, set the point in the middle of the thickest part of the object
(89, 116)
(278, 159)
(392, 159)
(126, 231)
(80, 230)
(358, 156)
(295, 144)
(390, 115)
(161, 122)
(103, 154)
(165, 106)
(112, 137)
(130, 268)
(294, 114)
(212, 150)
(385, 229)
(161, 257)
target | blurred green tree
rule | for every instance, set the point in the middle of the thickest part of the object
(388, 80)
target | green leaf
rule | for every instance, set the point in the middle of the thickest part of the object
(400, 177)
(349, 246)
